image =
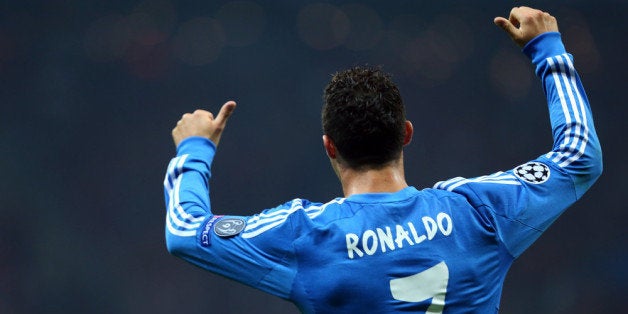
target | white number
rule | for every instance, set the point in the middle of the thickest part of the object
(430, 283)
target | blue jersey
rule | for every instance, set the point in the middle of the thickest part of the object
(444, 249)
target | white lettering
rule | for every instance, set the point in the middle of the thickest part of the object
(370, 241)
(402, 234)
(440, 217)
(417, 239)
(369, 234)
(430, 227)
(352, 245)
(385, 239)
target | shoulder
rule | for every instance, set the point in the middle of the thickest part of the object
(295, 214)
(469, 187)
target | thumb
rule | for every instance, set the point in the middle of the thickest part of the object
(506, 25)
(225, 112)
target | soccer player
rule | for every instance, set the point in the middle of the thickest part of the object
(385, 246)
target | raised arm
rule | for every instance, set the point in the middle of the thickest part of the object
(522, 202)
(576, 147)
(196, 137)
(197, 234)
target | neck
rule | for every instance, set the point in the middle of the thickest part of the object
(388, 179)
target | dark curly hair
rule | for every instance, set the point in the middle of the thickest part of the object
(364, 116)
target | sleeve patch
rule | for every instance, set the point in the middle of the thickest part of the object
(229, 227)
(205, 236)
(533, 172)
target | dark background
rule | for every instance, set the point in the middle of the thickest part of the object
(90, 90)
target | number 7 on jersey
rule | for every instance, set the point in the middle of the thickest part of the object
(430, 283)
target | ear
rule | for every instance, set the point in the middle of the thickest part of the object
(330, 147)
(409, 132)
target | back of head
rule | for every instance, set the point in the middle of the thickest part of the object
(364, 115)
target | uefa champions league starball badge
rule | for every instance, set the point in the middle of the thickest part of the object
(533, 172)
(229, 227)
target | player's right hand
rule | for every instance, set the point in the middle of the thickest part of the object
(202, 123)
(525, 23)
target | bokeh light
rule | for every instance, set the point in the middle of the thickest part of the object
(366, 27)
(578, 37)
(91, 90)
(323, 26)
(150, 23)
(510, 74)
(243, 22)
(106, 39)
(431, 48)
(199, 41)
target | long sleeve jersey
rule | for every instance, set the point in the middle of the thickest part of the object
(444, 249)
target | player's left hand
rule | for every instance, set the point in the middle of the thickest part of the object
(203, 123)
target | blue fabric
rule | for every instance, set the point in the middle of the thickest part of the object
(445, 249)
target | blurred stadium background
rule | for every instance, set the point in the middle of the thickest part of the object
(89, 91)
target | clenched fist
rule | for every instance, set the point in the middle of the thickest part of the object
(525, 23)
(203, 123)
